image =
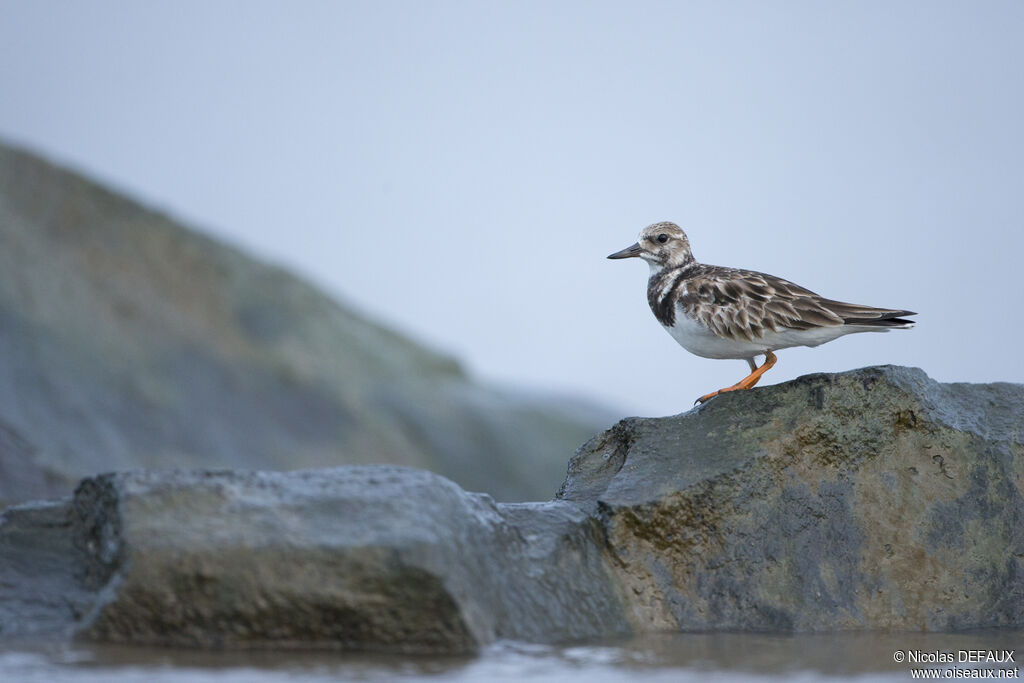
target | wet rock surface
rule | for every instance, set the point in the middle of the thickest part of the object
(42, 595)
(875, 498)
(355, 558)
(872, 499)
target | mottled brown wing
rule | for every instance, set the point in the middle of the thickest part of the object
(743, 305)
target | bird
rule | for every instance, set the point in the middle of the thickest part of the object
(718, 312)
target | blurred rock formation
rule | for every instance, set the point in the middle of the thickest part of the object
(129, 341)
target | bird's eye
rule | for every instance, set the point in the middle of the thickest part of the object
(663, 238)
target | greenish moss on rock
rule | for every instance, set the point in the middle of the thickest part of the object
(875, 498)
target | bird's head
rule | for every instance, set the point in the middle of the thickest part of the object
(662, 245)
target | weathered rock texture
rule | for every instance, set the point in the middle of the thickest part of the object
(129, 341)
(359, 557)
(876, 498)
(871, 499)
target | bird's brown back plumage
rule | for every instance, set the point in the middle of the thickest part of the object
(744, 304)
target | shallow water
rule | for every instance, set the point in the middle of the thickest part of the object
(654, 657)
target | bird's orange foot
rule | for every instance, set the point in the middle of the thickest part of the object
(745, 383)
(706, 397)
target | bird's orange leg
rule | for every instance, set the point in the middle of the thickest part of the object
(747, 382)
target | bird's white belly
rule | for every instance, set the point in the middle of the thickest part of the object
(700, 341)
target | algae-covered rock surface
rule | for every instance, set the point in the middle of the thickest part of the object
(871, 499)
(875, 498)
(128, 340)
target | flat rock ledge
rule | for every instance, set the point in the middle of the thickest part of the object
(871, 499)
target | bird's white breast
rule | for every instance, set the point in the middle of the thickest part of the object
(701, 341)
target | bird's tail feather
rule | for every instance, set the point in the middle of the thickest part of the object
(868, 316)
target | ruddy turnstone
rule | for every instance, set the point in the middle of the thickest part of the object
(717, 312)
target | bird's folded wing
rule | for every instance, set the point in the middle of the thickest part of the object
(743, 305)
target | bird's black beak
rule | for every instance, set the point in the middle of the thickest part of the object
(628, 252)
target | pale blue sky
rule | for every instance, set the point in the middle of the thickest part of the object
(461, 169)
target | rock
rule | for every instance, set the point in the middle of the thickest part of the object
(129, 341)
(872, 499)
(381, 558)
(41, 592)
(869, 499)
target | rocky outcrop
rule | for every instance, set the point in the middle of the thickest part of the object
(876, 498)
(872, 499)
(369, 558)
(129, 341)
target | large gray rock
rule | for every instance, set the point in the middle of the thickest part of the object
(361, 557)
(875, 498)
(129, 341)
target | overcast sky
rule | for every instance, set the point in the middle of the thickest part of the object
(459, 170)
